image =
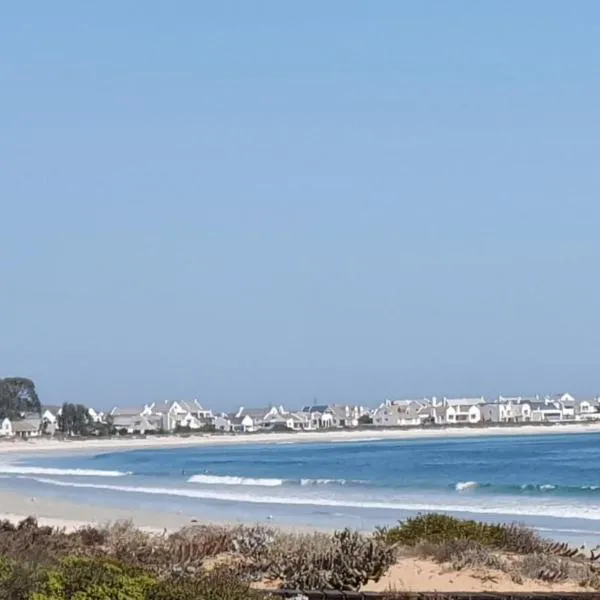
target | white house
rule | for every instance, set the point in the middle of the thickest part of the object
(243, 424)
(95, 416)
(319, 415)
(222, 422)
(251, 419)
(587, 410)
(463, 410)
(182, 413)
(345, 415)
(546, 411)
(6, 428)
(505, 411)
(134, 419)
(398, 414)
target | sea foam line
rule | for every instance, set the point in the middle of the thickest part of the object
(231, 480)
(262, 482)
(22, 470)
(463, 486)
(581, 512)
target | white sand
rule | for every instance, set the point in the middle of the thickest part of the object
(44, 445)
(69, 515)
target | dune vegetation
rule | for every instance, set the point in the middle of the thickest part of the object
(213, 562)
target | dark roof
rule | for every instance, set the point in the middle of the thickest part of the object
(26, 425)
(315, 408)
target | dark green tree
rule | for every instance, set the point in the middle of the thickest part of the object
(17, 397)
(75, 420)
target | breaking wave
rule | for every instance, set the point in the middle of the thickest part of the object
(590, 512)
(22, 470)
(262, 482)
(531, 488)
(327, 482)
(229, 480)
(461, 486)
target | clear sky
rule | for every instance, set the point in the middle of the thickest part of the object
(264, 202)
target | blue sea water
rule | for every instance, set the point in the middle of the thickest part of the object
(551, 482)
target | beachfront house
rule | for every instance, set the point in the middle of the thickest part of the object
(183, 413)
(399, 413)
(242, 424)
(254, 419)
(506, 410)
(279, 418)
(222, 422)
(95, 416)
(319, 416)
(6, 429)
(463, 410)
(344, 415)
(51, 413)
(135, 419)
(28, 427)
(587, 410)
(50, 417)
(546, 412)
(564, 397)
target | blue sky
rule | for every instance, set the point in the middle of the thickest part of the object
(264, 202)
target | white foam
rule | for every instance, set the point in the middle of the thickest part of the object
(461, 486)
(22, 470)
(229, 480)
(323, 481)
(587, 512)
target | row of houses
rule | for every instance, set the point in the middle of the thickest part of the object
(179, 415)
(472, 411)
(173, 416)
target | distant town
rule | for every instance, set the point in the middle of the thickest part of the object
(178, 416)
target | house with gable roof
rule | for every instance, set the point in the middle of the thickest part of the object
(463, 410)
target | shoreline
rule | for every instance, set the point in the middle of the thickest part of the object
(71, 516)
(336, 436)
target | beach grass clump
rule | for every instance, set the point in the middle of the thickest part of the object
(553, 569)
(462, 554)
(439, 529)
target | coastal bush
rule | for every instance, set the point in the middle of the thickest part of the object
(438, 529)
(462, 554)
(345, 560)
(94, 579)
(545, 567)
(103, 579)
(218, 584)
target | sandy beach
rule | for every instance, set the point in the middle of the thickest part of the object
(336, 436)
(68, 514)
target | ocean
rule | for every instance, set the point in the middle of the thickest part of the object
(550, 482)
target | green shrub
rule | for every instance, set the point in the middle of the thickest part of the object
(219, 584)
(439, 529)
(94, 579)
